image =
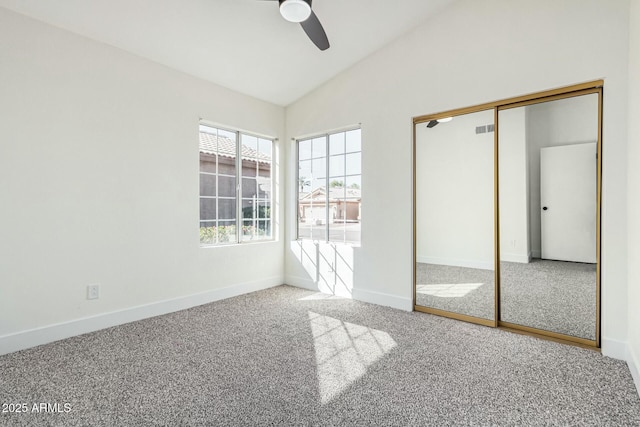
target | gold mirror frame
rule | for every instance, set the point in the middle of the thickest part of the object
(505, 104)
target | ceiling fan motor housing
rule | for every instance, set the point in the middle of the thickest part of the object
(295, 10)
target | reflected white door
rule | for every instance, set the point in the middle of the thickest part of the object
(568, 184)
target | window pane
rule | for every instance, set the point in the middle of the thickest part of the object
(319, 233)
(353, 141)
(249, 167)
(336, 199)
(226, 150)
(354, 182)
(353, 164)
(336, 166)
(227, 165)
(249, 187)
(226, 135)
(319, 168)
(227, 232)
(207, 162)
(227, 186)
(336, 143)
(264, 149)
(264, 229)
(207, 209)
(337, 194)
(264, 169)
(249, 210)
(304, 176)
(319, 147)
(249, 145)
(317, 184)
(207, 185)
(337, 232)
(330, 207)
(352, 209)
(227, 208)
(220, 170)
(264, 210)
(208, 148)
(209, 129)
(264, 188)
(248, 230)
(315, 212)
(352, 233)
(207, 233)
(304, 150)
(304, 231)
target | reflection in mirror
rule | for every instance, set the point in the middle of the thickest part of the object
(548, 204)
(454, 163)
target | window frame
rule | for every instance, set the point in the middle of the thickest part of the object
(327, 156)
(239, 219)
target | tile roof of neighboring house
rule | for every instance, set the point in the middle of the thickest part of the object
(335, 193)
(227, 148)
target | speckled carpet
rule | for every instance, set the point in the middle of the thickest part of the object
(287, 356)
(555, 296)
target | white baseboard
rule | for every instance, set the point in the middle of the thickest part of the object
(372, 297)
(301, 282)
(379, 298)
(484, 265)
(622, 351)
(513, 257)
(46, 334)
(634, 367)
(307, 283)
(614, 348)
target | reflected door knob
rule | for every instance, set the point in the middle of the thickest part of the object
(545, 208)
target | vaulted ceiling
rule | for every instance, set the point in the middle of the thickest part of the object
(244, 45)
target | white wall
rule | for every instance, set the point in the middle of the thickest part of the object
(99, 183)
(550, 124)
(514, 186)
(454, 192)
(471, 53)
(634, 193)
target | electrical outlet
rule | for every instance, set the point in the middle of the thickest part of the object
(93, 291)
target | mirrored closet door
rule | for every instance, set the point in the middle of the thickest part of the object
(548, 180)
(454, 202)
(507, 213)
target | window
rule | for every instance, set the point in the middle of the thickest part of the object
(235, 176)
(329, 187)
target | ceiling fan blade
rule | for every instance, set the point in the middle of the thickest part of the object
(314, 30)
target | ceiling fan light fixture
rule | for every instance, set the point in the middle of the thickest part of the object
(295, 10)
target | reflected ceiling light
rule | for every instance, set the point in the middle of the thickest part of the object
(295, 10)
(445, 120)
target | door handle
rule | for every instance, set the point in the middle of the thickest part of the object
(545, 208)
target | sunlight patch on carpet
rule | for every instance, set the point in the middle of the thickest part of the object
(449, 290)
(344, 352)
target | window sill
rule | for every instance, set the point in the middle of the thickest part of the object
(353, 245)
(246, 243)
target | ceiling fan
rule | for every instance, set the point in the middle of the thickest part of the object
(300, 11)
